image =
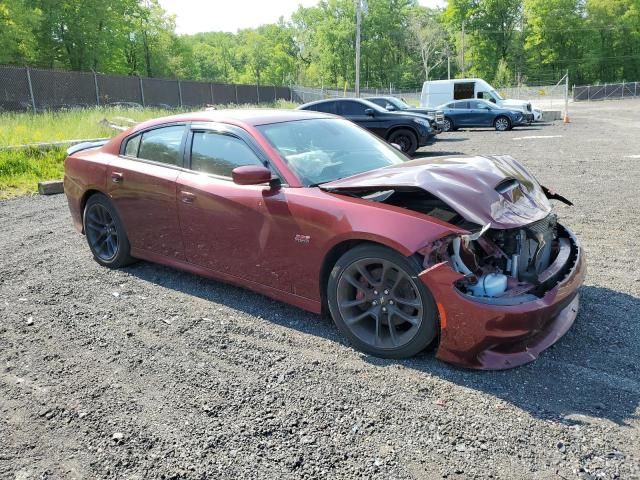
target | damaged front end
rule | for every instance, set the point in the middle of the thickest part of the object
(508, 288)
(511, 266)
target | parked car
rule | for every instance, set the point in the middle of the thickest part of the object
(407, 130)
(312, 210)
(479, 113)
(438, 92)
(395, 104)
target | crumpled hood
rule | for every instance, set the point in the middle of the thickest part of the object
(495, 189)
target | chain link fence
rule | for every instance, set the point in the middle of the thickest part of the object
(300, 94)
(608, 91)
(546, 95)
(36, 90)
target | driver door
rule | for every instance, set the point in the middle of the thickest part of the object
(226, 227)
(480, 114)
(356, 112)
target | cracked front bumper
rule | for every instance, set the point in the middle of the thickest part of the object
(487, 336)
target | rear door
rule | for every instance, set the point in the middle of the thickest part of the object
(461, 114)
(142, 186)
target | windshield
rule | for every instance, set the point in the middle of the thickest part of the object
(497, 95)
(399, 104)
(321, 150)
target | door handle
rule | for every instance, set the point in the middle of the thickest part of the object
(117, 177)
(187, 197)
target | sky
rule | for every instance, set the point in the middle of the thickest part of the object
(194, 16)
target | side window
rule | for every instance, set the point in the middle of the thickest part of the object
(131, 149)
(478, 105)
(461, 105)
(352, 108)
(162, 145)
(326, 107)
(450, 105)
(219, 154)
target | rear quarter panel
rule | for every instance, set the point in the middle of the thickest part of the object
(83, 172)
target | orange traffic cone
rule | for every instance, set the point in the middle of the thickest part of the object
(565, 118)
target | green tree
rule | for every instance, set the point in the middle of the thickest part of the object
(553, 39)
(17, 21)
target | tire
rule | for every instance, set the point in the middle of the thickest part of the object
(105, 233)
(447, 125)
(390, 314)
(406, 139)
(502, 124)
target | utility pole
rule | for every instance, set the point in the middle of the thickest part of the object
(462, 66)
(566, 98)
(361, 8)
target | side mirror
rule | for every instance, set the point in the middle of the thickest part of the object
(251, 175)
(391, 108)
(396, 146)
(369, 112)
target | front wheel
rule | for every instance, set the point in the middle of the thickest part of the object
(447, 125)
(105, 233)
(406, 139)
(502, 124)
(378, 302)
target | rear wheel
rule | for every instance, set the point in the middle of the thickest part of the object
(105, 233)
(502, 124)
(378, 302)
(406, 139)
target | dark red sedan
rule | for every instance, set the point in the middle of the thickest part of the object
(312, 210)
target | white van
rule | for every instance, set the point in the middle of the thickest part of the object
(438, 92)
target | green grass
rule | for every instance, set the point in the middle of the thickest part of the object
(21, 170)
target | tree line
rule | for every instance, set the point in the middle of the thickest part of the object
(503, 41)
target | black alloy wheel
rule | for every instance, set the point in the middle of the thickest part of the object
(105, 233)
(405, 139)
(379, 303)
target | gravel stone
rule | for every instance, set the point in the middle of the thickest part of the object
(205, 380)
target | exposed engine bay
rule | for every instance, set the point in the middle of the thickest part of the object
(513, 264)
(500, 266)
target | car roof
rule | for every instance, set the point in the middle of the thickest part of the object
(359, 100)
(241, 117)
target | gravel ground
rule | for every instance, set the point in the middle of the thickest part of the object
(148, 372)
